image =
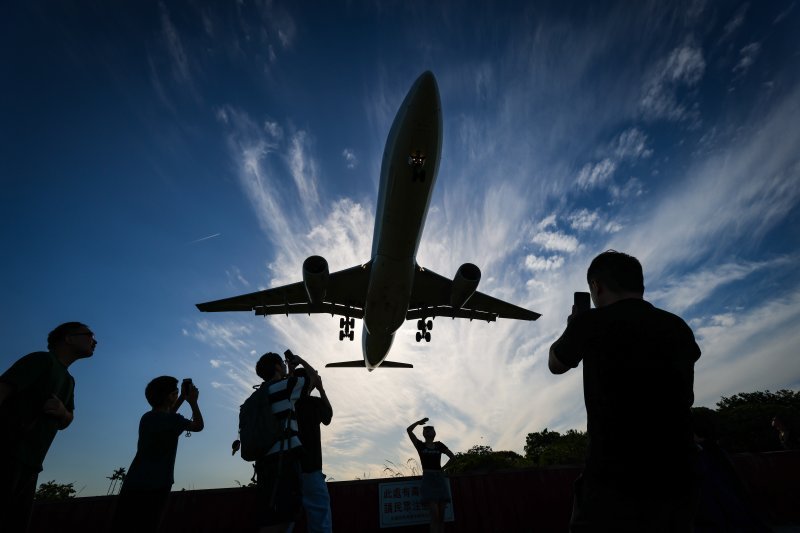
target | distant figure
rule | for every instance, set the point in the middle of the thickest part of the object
(145, 490)
(36, 400)
(311, 412)
(278, 473)
(785, 435)
(638, 371)
(435, 491)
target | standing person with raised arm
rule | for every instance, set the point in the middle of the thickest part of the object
(278, 474)
(638, 372)
(36, 401)
(145, 490)
(311, 412)
(435, 490)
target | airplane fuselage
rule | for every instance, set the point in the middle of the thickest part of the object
(408, 173)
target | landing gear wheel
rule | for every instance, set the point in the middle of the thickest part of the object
(427, 336)
(430, 324)
(341, 322)
(352, 323)
(419, 336)
(341, 335)
(421, 325)
(352, 335)
(346, 329)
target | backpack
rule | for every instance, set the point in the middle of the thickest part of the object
(259, 428)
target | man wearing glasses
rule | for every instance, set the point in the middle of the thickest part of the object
(36, 400)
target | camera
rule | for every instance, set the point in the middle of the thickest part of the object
(290, 357)
(186, 385)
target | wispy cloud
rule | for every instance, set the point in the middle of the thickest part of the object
(747, 56)
(682, 68)
(350, 159)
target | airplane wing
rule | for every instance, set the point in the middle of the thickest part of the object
(345, 295)
(430, 297)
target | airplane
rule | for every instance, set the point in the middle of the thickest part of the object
(391, 287)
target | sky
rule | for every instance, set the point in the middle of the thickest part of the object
(157, 155)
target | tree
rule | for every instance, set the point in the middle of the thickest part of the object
(483, 459)
(117, 475)
(552, 448)
(744, 419)
(52, 491)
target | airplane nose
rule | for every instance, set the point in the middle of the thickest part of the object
(426, 88)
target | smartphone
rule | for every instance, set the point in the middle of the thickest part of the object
(186, 385)
(583, 302)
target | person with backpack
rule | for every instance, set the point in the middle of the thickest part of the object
(268, 433)
(36, 401)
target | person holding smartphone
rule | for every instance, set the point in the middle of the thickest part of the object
(638, 372)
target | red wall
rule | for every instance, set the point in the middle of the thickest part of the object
(537, 499)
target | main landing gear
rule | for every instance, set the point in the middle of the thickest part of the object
(424, 328)
(347, 324)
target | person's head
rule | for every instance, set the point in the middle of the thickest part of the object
(161, 392)
(72, 338)
(614, 275)
(428, 433)
(270, 366)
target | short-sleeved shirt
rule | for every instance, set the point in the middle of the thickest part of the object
(153, 466)
(430, 458)
(34, 379)
(638, 373)
(311, 412)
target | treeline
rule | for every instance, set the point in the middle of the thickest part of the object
(740, 423)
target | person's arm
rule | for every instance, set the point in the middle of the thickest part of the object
(553, 363)
(181, 399)
(196, 424)
(326, 410)
(445, 450)
(55, 408)
(312, 377)
(410, 429)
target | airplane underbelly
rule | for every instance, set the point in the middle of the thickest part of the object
(388, 295)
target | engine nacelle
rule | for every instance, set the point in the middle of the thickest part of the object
(315, 278)
(465, 283)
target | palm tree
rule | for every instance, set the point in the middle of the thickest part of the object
(118, 475)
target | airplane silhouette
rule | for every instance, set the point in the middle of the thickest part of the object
(391, 287)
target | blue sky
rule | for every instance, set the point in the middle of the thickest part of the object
(154, 155)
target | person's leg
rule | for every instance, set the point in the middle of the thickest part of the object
(437, 516)
(317, 503)
(17, 489)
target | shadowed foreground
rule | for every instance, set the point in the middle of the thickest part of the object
(537, 499)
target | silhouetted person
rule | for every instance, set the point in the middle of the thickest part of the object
(786, 436)
(36, 400)
(434, 491)
(278, 473)
(725, 503)
(145, 490)
(638, 372)
(311, 412)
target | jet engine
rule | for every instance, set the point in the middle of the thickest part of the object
(464, 284)
(315, 278)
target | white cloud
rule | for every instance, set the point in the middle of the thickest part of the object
(684, 67)
(747, 56)
(596, 175)
(536, 263)
(632, 144)
(583, 219)
(180, 61)
(350, 158)
(556, 241)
